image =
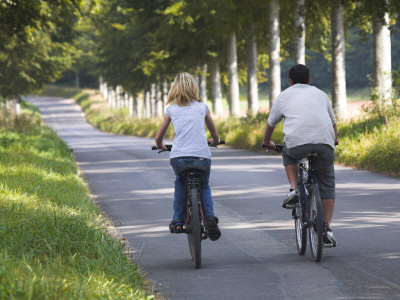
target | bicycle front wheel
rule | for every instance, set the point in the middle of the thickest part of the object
(301, 231)
(194, 236)
(316, 224)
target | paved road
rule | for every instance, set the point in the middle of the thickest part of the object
(256, 256)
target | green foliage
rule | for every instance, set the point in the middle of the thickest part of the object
(372, 144)
(247, 132)
(35, 44)
(54, 241)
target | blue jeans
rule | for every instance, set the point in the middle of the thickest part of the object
(180, 164)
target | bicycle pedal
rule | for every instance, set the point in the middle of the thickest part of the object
(329, 245)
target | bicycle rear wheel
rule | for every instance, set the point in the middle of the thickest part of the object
(194, 236)
(301, 231)
(316, 224)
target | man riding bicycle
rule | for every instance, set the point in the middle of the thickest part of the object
(309, 126)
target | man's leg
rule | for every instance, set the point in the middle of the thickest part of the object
(291, 167)
(328, 206)
(291, 172)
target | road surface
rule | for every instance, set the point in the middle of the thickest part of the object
(256, 257)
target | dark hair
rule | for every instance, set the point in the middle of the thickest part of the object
(299, 74)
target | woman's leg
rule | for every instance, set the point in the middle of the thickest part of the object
(208, 205)
(179, 194)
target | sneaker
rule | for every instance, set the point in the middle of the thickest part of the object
(329, 238)
(211, 223)
(291, 201)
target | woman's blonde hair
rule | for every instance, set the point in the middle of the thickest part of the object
(184, 90)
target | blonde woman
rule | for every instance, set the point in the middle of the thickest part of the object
(190, 148)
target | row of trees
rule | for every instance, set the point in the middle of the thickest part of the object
(36, 43)
(140, 43)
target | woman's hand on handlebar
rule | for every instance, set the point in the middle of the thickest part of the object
(163, 147)
(211, 142)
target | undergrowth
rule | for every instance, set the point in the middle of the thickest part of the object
(54, 241)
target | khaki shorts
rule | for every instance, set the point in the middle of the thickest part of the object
(323, 165)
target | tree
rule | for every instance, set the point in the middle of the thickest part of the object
(382, 63)
(338, 77)
(252, 84)
(274, 52)
(35, 44)
(233, 88)
(299, 33)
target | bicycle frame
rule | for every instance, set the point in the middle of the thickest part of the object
(305, 179)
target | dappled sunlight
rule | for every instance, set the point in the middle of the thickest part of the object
(150, 231)
(368, 186)
(257, 191)
(242, 167)
(367, 219)
(395, 255)
(159, 191)
(261, 225)
(127, 161)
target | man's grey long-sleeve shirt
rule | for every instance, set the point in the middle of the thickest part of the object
(308, 115)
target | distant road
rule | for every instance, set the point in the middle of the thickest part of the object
(256, 257)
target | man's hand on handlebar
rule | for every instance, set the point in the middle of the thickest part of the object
(270, 145)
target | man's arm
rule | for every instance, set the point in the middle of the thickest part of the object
(269, 130)
(161, 132)
(335, 130)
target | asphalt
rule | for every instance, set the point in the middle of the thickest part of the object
(256, 257)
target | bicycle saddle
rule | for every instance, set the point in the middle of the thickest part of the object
(191, 171)
(311, 154)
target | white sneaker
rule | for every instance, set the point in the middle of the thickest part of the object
(291, 201)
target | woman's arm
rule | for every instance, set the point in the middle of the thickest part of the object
(211, 127)
(161, 132)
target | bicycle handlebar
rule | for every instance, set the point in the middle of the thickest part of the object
(278, 147)
(169, 147)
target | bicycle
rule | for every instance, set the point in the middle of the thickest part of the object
(194, 223)
(308, 214)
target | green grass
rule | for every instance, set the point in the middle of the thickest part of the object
(370, 143)
(54, 240)
(59, 91)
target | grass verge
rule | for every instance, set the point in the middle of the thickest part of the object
(371, 142)
(54, 240)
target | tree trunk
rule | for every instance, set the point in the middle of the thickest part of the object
(203, 83)
(382, 63)
(118, 90)
(274, 55)
(139, 104)
(109, 95)
(159, 104)
(252, 84)
(152, 100)
(131, 106)
(77, 79)
(114, 99)
(233, 88)
(165, 94)
(147, 104)
(299, 33)
(338, 72)
(216, 91)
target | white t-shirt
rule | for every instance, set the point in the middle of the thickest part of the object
(308, 114)
(190, 135)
